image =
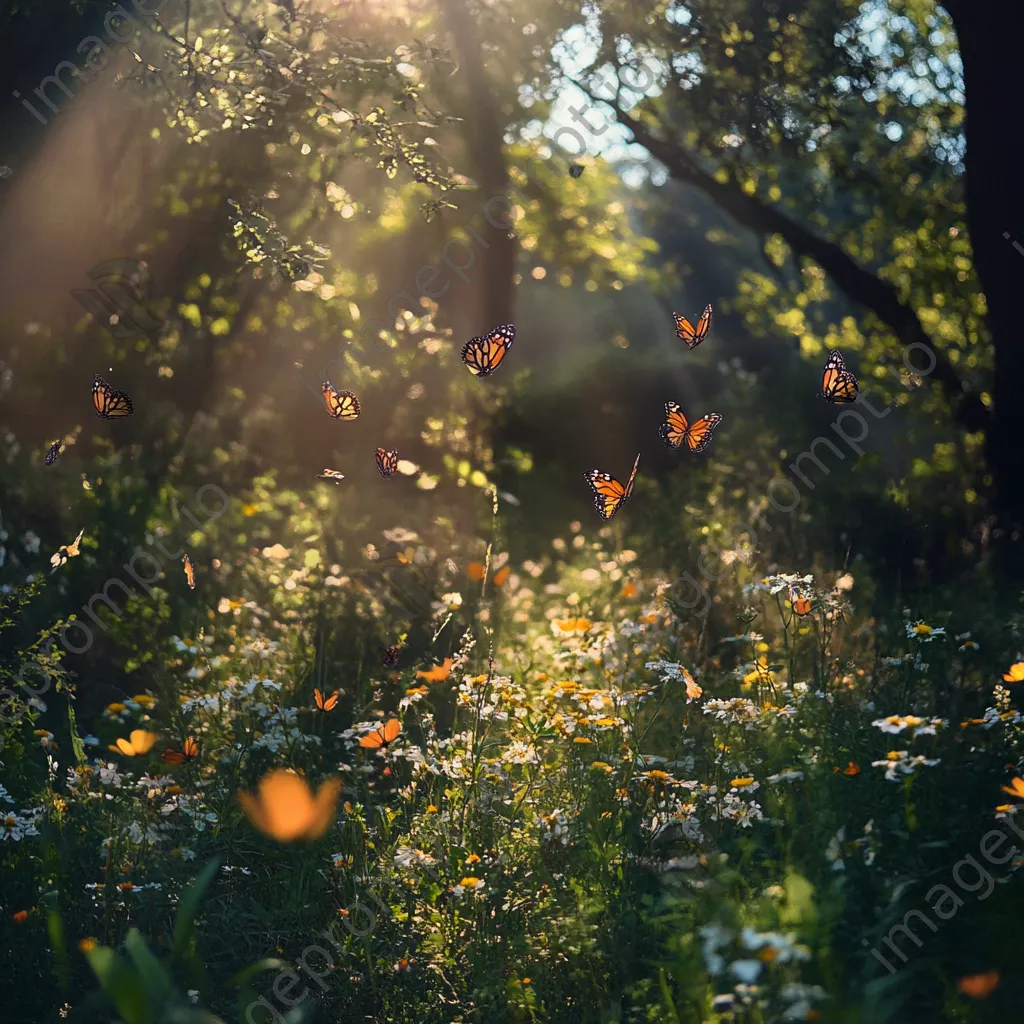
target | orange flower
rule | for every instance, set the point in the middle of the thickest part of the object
(87, 945)
(139, 742)
(802, 605)
(285, 808)
(979, 986)
(439, 673)
(629, 590)
(579, 624)
(21, 916)
(1015, 788)
(1016, 673)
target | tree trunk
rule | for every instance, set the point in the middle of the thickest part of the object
(989, 34)
(485, 136)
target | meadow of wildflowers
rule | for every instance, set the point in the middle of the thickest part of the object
(555, 800)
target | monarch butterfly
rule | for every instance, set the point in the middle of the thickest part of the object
(189, 751)
(483, 355)
(325, 703)
(190, 573)
(838, 384)
(387, 462)
(609, 494)
(66, 551)
(51, 455)
(342, 405)
(802, 605)
(382, 735)
(108, 403)
(677, 430)
(331, 474)
(692, 336)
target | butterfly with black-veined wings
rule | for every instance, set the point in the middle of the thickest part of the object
(382, 735)
(108, 403)
(483, 355)
(325, 703)
(387, 462)
(342, 405)
(189, 751)
(692, 336)
(609, 494)
(677, 430)
(838, 383)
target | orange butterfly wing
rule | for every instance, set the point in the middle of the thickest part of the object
(387, 462)
(189, 750)
(673, 430)
(323, 704)
(484, 354)
(609, 494)
(692, 336)
(698, 437)
(190, 573)
(382, 735)
(342, 405)
(838, 383)
(108, 403)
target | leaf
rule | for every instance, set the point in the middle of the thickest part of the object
(76, 741)
(266, 964)
(184, 921)
(151, 971)
(799, 908)
(246, 994)
(122, 985)
(55, 927)
(190, 1015)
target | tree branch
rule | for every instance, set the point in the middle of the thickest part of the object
(860, 284)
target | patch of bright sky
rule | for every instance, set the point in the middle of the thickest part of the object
(926, 80)
(873, 32)
(575, 52)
